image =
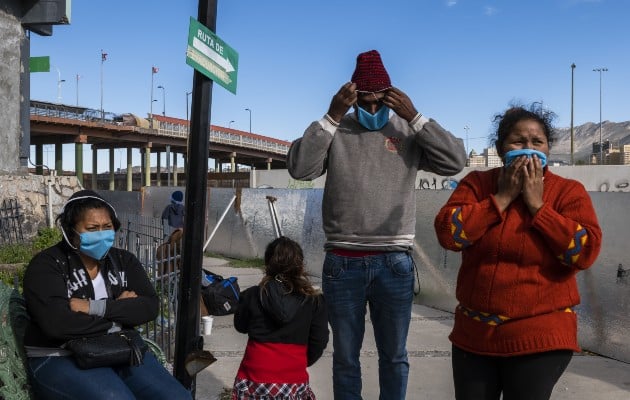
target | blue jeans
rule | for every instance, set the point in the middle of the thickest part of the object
(56, 378)
(385, 283)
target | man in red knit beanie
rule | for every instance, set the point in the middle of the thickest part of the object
(371, 158)
(524, 234)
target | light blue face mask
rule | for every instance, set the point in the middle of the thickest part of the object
(512, 154)
(375, 121)
(96, 244)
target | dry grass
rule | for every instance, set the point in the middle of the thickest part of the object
(226, 394)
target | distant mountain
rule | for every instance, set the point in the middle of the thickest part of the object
(618, 133)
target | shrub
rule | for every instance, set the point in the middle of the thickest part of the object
(21, 254)
(15, 253)
(8, 276)
(45, 238)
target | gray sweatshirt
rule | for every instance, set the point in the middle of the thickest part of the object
(369, 201)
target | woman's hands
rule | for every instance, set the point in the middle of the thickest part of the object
(83, 305)
(80, 305)
(524, 175)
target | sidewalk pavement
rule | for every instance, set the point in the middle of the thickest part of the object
(430, 377)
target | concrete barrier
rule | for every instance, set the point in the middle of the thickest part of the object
(604, 314)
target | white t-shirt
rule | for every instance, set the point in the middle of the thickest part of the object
(100, 292)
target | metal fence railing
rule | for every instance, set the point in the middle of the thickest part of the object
(144, 237)
(11, 218)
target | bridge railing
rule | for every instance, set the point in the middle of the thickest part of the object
(70, 112)
(163, 128)
(172, 129)
(235, 139)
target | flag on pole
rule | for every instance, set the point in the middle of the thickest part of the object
(103, 56)
(154, 70)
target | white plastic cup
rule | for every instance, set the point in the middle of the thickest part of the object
(206, 323)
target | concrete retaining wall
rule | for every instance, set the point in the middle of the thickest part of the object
(33, 194)
(595, 178)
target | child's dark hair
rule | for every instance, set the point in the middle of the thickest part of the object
(504, 122)
(284, 262)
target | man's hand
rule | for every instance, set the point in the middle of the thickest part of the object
(400, 103)
(342, 101)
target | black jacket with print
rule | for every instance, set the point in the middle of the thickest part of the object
(57, 274)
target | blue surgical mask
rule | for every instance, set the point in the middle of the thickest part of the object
(375, 121)
(96, 244)
(512, 154)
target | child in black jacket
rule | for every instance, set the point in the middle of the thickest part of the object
(286, 320)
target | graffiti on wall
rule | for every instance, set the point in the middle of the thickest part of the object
(295, 184)
(622, 274)
(448, 183)
(621, 185)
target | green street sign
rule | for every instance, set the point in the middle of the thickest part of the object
(211, 56)
(39, 64)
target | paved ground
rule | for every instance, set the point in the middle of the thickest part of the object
(588, 376)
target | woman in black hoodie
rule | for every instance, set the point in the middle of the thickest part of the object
(286, 320)
(84, 287)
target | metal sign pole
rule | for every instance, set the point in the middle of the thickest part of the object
(187, 338)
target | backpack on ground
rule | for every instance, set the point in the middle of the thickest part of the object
(220, 296)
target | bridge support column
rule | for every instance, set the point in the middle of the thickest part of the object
(232, 162)
(158, 169)
(78, 157)
(59, 158)
(269, 160)
(94, 167)
(147, 165)
(112, 177)
(39, 159)
(174, 169)
(78, 161)
(168, 165)
(129, 170)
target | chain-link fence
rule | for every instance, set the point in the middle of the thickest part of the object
(161, 257)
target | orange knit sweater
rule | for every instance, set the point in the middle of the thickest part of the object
(516, 285)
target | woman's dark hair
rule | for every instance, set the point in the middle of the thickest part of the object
(74, 211)
(504, 122)
(284, 262)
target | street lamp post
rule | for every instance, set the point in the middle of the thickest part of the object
(78, 77)
(230, 123)
(250, 119)
(467, 128)
(572, 146)
(187, 94)
(163, 100)
(59, 82)
(601, 153)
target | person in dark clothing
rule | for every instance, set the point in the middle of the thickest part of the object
(286, 320)
(84, 287)
(174, 212)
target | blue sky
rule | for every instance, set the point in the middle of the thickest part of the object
(460, 61)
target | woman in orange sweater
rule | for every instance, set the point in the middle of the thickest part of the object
(524, 234)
